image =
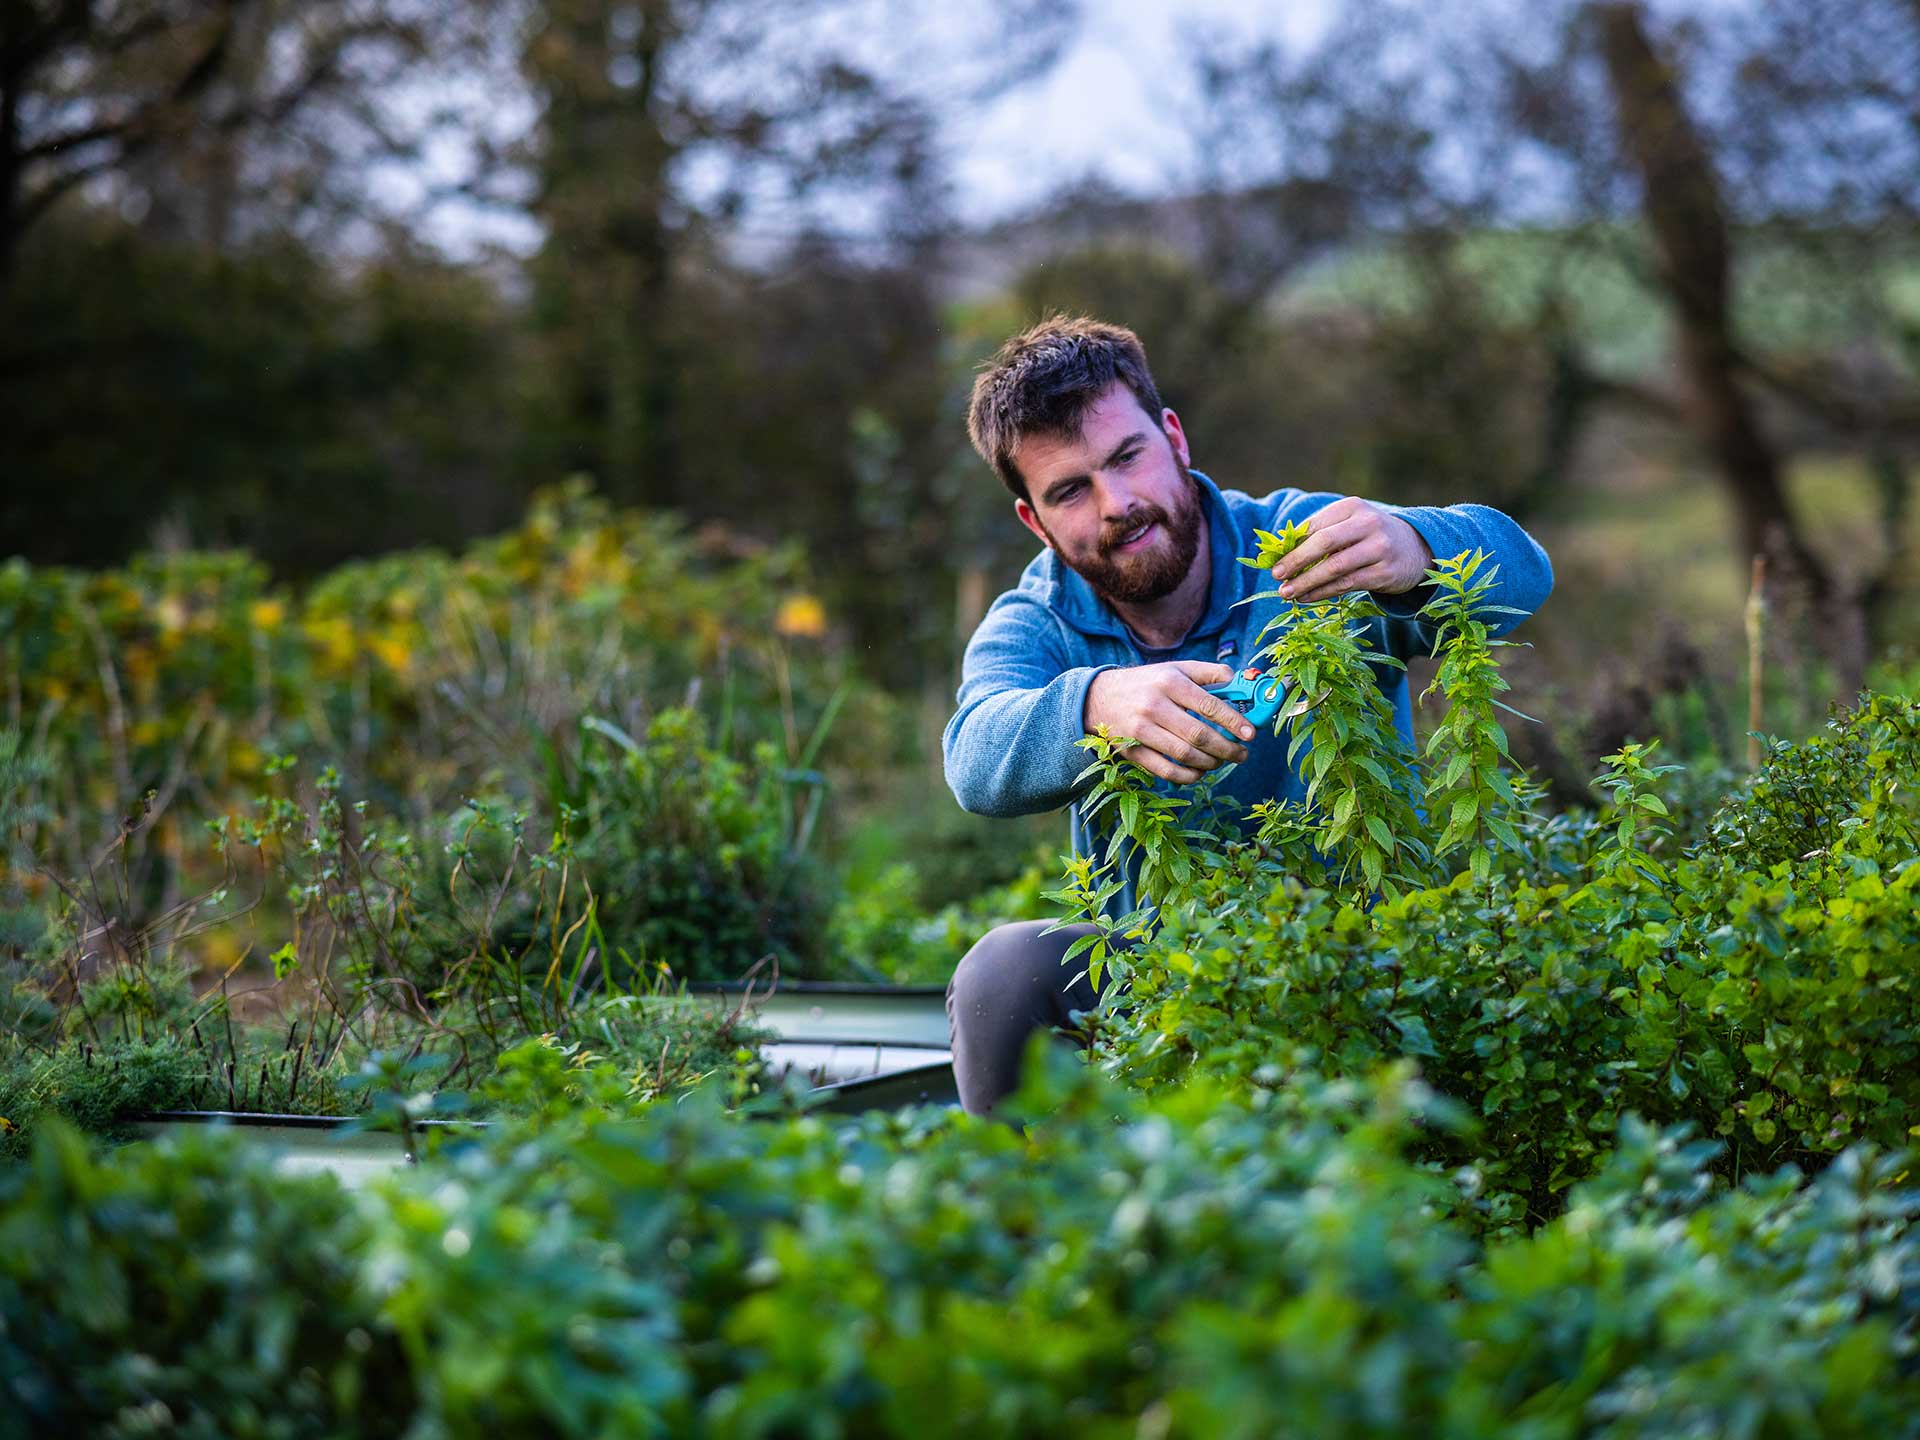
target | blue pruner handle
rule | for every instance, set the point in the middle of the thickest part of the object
(1255, 693)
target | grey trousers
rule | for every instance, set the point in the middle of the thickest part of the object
(1010, 984)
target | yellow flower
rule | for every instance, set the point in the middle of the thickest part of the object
(266, 614)
(394, 652)
(334, 638)
(801, 615)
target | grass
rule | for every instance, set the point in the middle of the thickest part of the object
(1786, 295)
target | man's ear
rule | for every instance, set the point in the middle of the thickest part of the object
(1031, 519)
(1176, 434)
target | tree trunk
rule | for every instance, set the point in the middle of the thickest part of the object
(648, 244)
(12, 82)
(1681, 203)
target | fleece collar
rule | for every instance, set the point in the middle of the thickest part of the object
(1072, 598)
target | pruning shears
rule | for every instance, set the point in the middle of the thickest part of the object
(1255, 693)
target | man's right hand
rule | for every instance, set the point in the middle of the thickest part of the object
(1159, 706)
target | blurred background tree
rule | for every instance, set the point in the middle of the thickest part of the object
(329, 279)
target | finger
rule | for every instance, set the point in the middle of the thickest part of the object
(1367, 579)
(1174, 740)
(1348, 570)
(1188, 740)
(1319, 544)
(1157, 764)
(1204, 672)
(1213, 708)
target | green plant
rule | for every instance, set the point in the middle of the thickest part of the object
(1196, 1263)
(96, 1087)
(1275, 548)
(881, 930)
(1585, 967)
(699, 861)
(1468, 747)
(1359, 779)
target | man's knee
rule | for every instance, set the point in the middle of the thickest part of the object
(1017, 970)
(1012, 959)
(1010, 984)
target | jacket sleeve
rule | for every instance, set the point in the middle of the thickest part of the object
(1526, 574)
(1010, 747)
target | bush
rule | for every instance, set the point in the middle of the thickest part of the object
(96, 1087)
(701, 862)
(167, 688)
(1774, 1007)
(881, 931)
(1193, 1264)
(1757, 981)
(186, 1290)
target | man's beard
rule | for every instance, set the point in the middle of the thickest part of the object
(1155, 573)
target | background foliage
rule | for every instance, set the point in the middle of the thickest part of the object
(353, 758)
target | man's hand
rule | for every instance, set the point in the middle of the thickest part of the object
(1358, 546)
(1151, 704)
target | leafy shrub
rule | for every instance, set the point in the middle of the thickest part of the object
(1191, 1264)
(427, 677)
(97, 1088)
(698, 861)
(180, 1289)
(1757, 982)
(452, 967)
(881, 931)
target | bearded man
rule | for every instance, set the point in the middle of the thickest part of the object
(1124, 617)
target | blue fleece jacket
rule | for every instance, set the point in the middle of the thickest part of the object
(1023, 690)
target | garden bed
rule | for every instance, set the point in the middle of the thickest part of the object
(862, 1047)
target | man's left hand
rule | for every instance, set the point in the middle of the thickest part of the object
(1357, 546)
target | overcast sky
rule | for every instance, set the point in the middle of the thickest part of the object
(1116, 106)
(1113, 106)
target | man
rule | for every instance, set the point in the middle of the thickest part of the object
(1128, 613)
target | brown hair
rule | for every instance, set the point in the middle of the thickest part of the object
(1044, 380)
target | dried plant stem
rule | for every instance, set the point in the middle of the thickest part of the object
(1756, 658)
(110, 690)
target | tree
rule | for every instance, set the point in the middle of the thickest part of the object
(1698, 150)
(189, 109)
(681, 139)
(1686, 220)
(263, 398)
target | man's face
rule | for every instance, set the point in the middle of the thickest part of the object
(1092, 494)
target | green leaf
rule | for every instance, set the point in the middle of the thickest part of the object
(1415, 1039)
(1374, 768)
(286, 960)
(1504, 833)
(1373, 867)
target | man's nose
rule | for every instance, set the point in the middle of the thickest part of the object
(1118, 499)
